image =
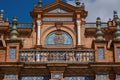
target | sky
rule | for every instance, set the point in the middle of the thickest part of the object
(100, 8)
(96, 8)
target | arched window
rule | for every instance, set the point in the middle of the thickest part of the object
(58, 38)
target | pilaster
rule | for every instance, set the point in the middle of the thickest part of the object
(79, 32)
(38, 32)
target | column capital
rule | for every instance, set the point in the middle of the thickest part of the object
(78, 23)
(39, 22)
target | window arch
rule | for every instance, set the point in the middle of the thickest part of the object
(57, 38)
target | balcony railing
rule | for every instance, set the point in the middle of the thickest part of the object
(93, 25)
(23, 25)
(51, 56)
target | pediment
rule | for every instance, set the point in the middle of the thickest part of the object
(58, 6)
(58, 10)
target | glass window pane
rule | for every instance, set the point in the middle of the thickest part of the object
(10, 76)
(57, 75)
(101, 53)
(118, 50)
(79, 78)
(118, 76)
(34, 78)
(104, 76)
(12, 53)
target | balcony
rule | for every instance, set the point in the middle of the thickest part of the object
(57, 56)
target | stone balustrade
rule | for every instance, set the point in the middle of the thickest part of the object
(64, 56)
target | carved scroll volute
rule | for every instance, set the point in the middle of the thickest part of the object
(58, 25)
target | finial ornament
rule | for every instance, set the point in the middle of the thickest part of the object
(115, 16)
(14, 32)
(99, 33)
(77, 3)
(98, 21)
(83, 6)
(7, 19)
(40, 3)
(117, 32)
(1, 14)
(34, 5)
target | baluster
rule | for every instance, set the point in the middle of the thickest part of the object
(29, 56)
(77, 56)
(45, 56)
(26, 56)
(58, 56)
(70, 57)
(52, 57)
(42, 56)
(81, 59)
(90, 57)
(61, 56)
(87, 57)
(48, 56)
(66, 56)
(55, 56)
(37, 56)
(83, 56)
(73, 55)
(33, 53)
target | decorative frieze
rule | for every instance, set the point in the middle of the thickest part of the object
(57, 19)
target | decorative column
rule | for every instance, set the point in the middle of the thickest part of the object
(117, 33)
(38, 32)
(99, 33)
(79, 32)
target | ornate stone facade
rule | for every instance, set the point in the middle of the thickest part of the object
(59, 45)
